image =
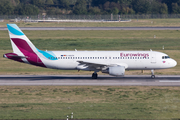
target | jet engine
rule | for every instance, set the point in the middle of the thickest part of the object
(117, 70)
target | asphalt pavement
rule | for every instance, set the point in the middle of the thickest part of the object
(86, 80)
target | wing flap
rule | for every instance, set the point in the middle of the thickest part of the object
(99, 66)
(92, 64)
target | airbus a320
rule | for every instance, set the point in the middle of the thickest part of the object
(111, 62)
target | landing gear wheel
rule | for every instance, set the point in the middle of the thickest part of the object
(152, 76)
(94, 76)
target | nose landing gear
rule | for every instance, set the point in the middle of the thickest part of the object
(152, 74)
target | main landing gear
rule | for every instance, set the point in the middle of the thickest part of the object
(152, 74)
(94, 75)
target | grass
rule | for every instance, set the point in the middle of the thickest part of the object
(108, 34)
(133, 23)
(102, 102)
(92, 40)
(100, 44)
(99, 40)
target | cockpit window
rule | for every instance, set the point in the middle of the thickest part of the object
(165, 57)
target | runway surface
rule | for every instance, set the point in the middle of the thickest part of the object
(85, 80)
(96, 28)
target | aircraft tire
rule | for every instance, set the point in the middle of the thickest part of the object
(94, 76)
(153, 76)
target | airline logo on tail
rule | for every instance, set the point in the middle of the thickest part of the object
(14, 29)
(23, 49)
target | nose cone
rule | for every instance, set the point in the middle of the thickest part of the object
(174, 63)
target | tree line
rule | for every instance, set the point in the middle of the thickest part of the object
(88, 7)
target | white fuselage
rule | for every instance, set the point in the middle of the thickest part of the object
(132, 60)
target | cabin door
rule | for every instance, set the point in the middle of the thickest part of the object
(153, 58)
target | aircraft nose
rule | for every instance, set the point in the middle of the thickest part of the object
(174, 63)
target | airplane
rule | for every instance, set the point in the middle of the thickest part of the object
(111, 62)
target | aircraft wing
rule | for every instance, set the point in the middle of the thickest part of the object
(93, 65)
(100, 66)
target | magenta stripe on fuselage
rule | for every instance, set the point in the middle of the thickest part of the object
(28, 52)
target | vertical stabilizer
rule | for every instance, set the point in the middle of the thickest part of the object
(19, 41)
(23, 49)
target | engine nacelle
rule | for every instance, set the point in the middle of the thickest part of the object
(117, 70)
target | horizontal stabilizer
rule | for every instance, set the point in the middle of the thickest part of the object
(12, 55)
